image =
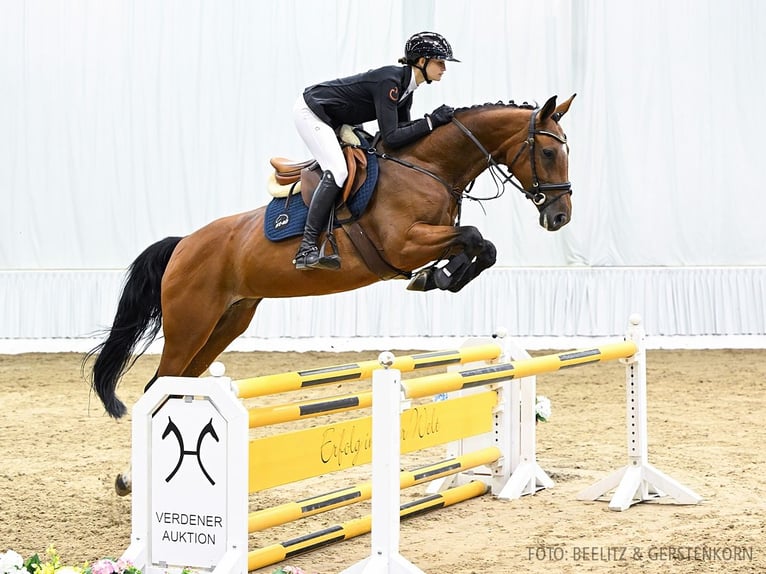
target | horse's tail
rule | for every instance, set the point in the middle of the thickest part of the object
(139, 316)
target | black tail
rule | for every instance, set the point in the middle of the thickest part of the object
(139, 316)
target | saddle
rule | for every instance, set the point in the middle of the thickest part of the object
(291, 177)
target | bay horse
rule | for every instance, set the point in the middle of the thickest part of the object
(203, 289)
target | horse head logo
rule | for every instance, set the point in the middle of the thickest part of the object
(282, 220)
(206, 430)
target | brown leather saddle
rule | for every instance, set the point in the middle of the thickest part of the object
(288, 172)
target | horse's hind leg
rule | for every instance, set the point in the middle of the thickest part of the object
(184, 339)
(190, 317)
(230, 326)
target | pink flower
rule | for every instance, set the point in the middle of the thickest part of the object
(105, 566)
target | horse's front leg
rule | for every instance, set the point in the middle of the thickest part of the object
(466, 251)
(465, 270)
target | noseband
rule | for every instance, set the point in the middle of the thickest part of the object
(539, 192)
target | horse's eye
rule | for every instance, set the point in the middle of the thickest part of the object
(547, 152)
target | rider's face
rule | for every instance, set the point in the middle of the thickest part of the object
(436, 69)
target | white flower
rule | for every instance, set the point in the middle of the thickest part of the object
(542, 408)
(11, 562)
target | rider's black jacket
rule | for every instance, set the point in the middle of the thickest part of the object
(368, 96)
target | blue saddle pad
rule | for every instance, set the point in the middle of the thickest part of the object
(286, 217)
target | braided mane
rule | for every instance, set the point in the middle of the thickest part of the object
(510, 104)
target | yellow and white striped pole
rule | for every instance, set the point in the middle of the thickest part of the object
(290, 511)
(274, 553)
(296, 380)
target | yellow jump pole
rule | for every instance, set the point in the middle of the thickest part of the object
(458, 380)
(291, 511)
(296, 380)
(286, 412)
(274, 553)
(427, 386)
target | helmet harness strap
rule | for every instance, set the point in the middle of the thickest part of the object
(423, 70)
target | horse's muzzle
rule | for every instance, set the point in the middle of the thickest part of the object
(554, 222)
(556, 214)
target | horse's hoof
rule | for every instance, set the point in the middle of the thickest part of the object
(122, 485)
(420, 281)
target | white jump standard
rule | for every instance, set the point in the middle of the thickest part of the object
(638, 481)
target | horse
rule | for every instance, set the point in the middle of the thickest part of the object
(203, 289)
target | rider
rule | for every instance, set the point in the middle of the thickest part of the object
(384, 94)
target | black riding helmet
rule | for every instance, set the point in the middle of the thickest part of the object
(428, 45)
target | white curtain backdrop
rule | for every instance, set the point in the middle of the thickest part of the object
(125, 121)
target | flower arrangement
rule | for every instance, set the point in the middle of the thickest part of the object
(12, 563)
(542, 409)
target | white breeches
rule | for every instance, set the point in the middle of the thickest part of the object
(321, 141)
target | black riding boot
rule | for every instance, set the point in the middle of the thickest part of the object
(308, 256)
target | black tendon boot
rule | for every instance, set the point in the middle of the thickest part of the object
(308, 256)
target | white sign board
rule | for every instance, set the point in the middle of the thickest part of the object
(190, 472)
(189, 468)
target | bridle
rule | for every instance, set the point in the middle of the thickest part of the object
(539, 192)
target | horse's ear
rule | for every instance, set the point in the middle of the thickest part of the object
(562, 108)
(547, 110)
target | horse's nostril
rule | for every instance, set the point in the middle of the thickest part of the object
(560, 219)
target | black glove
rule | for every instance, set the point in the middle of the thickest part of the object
(441, 115)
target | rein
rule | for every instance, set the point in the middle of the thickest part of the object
(538, 193)
(410, 165)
